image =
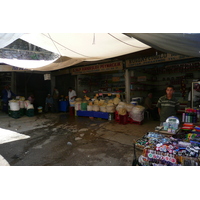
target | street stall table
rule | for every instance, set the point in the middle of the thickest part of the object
(165, 149)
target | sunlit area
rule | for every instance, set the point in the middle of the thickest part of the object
(10, 136)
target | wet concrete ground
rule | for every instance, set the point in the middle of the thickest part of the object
(63, 140)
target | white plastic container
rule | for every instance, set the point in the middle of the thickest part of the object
(14, 105)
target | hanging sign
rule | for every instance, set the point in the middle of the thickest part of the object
(154, 59)
(97, 68)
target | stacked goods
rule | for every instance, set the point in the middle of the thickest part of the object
(137, 113)
(14, 110)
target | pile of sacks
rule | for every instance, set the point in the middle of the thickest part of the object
(20, 103)
(135, 112)
(97, 105)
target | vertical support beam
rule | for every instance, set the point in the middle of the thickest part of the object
(53, 82)
(127, 86)
(13, 82)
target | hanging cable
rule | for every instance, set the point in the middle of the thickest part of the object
(124, 42)
(65, 47)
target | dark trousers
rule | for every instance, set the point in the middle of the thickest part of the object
(154, 113)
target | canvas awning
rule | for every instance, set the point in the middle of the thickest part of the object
(74, 48)
(179, 43)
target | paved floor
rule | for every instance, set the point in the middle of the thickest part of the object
(60, 139)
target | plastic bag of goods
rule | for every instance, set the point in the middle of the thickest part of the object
(96, 102)
(116, 100)
(110, 101)
(21, 103)
(122, 111)
(129, 107)
(103, 108)
(101, 102)
(120, 106)
(137, 113)
(78, 105)
(110, 108)
(14, 105)
(30, 106)
(22, 98)
(26, 103)
(95, 108)
(89, 108)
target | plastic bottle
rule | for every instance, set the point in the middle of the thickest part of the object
(183, 117)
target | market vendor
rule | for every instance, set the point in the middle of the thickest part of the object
(167, 105)
(7, 95)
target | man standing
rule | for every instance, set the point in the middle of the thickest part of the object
(7, 95)
(55, 99)
(72, 95)
(167, 105)
(48, 103)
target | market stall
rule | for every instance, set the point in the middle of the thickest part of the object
(109, 108)
(173, 144)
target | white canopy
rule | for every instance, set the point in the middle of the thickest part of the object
(74, 48)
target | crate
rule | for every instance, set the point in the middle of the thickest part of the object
(22, 111)
(116, 116)
(14, 114)
(30, 112)
(85, 113)
(123, 119)
(71, 111)
(131, 121)
(102, 115)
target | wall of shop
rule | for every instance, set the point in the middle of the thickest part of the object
(156, 79)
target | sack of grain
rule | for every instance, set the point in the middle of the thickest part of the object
(110, 108)
(89, 108)
(95, 108)
(103, 108)
(129, 107)
(116, 101)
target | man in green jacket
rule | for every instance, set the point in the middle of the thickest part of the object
(167, 105)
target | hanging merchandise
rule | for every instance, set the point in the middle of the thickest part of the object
(183, 87)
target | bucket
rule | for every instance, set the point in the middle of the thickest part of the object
(39, 109)
(83, 106)
(14, 105)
